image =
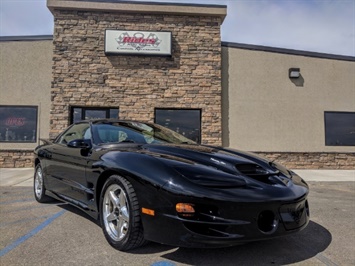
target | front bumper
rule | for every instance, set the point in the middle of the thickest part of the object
(228, 223)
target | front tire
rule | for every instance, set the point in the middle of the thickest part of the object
(120, 214)
(38, 186)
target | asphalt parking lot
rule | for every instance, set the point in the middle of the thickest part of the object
(56, 233)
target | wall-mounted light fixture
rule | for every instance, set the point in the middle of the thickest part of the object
(294, 73)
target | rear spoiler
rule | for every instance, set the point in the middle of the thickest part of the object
(46, 141)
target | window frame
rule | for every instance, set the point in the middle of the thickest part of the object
(36, 123)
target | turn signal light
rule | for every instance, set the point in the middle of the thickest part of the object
(148, 211)
(185, 209)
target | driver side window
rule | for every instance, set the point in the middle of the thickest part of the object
(78, 131)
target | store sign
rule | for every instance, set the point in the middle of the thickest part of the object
(137, 42)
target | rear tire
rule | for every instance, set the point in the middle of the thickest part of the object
(39, 188)
(120, 214)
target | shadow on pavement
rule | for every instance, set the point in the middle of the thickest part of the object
(285, 250)
(280, 251)
(77, 211)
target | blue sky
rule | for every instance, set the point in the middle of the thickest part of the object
(325, 26)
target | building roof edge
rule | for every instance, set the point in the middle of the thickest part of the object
(288, 51)
(139, 7)
(26, 38)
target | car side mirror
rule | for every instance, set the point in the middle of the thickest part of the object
(80, 143)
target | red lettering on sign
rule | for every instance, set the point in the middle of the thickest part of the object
(138, 40)
(15, 121)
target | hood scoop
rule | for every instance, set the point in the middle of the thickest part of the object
(201, 155)
(250, 169)
(258, 173)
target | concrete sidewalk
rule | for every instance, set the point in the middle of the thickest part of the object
(326, 175)
(24, 176)
(16, 177)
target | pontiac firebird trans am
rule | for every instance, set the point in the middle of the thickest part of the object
(146, 182)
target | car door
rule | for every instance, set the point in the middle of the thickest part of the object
(67, 167)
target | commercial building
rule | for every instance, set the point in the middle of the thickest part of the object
(165, 63)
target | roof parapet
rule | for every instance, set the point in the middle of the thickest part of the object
(139, 7)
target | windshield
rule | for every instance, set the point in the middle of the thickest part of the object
(135, 132)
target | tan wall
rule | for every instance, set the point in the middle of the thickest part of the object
(25, 79)
(263, 110)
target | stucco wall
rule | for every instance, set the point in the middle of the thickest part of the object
(263, 110)
(25, 79)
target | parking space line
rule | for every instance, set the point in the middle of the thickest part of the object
(163, 263)
(19, 190)
(325, 260)
(22, 239)
(32, 207)
(17, 201)
(23, 221)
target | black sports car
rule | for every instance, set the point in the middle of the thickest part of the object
(146, 182)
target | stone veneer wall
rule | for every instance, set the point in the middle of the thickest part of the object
(312, 160)
(84, 76)
(16, 158)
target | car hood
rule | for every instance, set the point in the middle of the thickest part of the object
(218, 158)
(220, 167)
(226, 173)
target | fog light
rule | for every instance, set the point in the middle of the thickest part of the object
(185, 209)
(267, 222)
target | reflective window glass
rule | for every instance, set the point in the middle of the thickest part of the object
(86, 113)
(95, 114)
(339, 128)
(113, 113)
(187, 122)
(18, 123)
(76, 114)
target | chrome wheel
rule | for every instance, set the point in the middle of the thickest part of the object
(115, 212)
(120, 214)
(39, 187)
(38, 183)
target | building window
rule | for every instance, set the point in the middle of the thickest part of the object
(18, 123)
(84, 113)
(187, 122)
(339, 128)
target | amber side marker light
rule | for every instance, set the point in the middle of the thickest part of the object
(185, 209)
(148, 211)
